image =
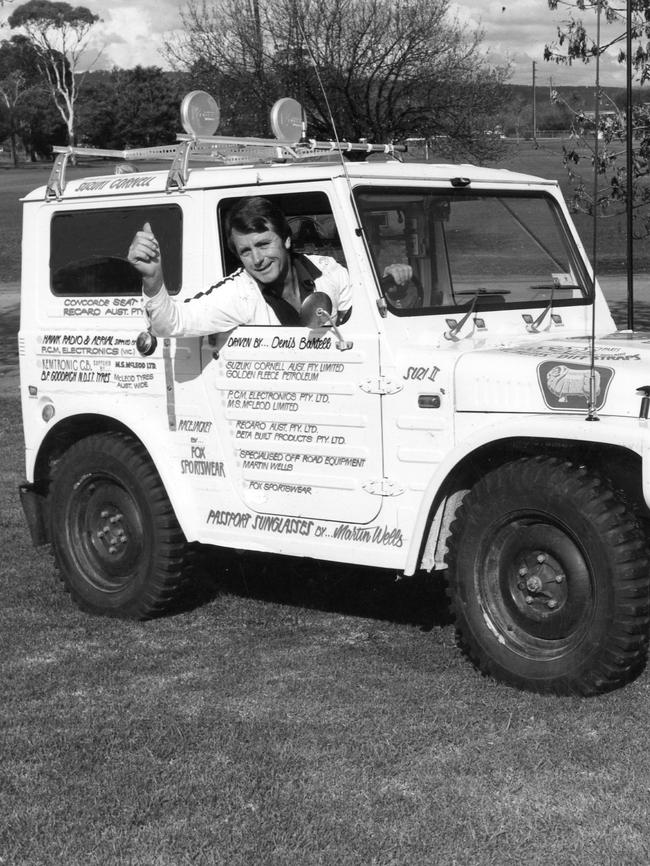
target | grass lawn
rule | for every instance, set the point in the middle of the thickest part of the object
(301, 715)
(545, 160)
(291, 714)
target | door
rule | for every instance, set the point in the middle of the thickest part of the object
(298, 411)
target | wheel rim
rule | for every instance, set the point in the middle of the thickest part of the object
(535, 588)
(105, 533)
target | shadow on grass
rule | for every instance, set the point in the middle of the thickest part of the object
(346, 589)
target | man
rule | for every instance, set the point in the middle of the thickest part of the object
(268, 289)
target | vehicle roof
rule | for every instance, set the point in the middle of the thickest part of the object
(152, 179)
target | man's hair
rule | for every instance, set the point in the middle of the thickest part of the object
(255, 214)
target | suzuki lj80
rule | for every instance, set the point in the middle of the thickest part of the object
(485, 422)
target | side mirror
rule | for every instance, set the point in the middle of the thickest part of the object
(316, 312)
(146, 343)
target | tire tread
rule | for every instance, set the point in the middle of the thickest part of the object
(624, 655)
(174, 556)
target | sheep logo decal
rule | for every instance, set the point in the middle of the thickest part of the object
(566, 386)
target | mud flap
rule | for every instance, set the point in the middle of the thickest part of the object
(34, 508)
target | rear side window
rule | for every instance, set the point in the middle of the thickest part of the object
(88, 249)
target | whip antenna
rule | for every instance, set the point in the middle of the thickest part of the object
(330, 115)
(591, 410)
(357, 216)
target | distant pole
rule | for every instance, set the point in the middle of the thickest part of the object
(629, 158)
(534, 105)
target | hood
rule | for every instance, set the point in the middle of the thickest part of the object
(554, 375)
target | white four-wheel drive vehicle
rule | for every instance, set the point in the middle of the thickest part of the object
(481, 423)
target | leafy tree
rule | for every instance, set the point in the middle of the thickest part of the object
(41, 125)
(97, 110)
(59, 34)
(575, 43)
(147, 106)
(390, 68)
(130, 108)
(18, 84)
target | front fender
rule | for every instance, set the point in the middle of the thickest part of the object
(72, 427)
(496, 431)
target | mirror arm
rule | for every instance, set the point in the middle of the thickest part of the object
(341, 344)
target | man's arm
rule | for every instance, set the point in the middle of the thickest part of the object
(231, 302)
(144, 255)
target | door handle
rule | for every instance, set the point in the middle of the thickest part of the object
(429, 401)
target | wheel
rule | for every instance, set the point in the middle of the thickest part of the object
(116, 541)
(548, 579)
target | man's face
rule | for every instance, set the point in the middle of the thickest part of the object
(264, 255)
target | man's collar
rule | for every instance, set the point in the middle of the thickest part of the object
(306, 272)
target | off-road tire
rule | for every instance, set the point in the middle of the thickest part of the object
(117, 543)
(549, 580)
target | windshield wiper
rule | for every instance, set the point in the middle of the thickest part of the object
(533, 327)
(456, 327)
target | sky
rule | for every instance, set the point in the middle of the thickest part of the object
(515, 31)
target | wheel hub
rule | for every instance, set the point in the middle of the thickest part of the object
(541, 582)
(111, 536)
(109, 533)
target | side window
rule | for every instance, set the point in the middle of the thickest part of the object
(313, 229)
(88, 249)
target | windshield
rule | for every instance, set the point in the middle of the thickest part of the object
(507, 248)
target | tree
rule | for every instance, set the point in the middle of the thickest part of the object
(130, 108)
(20, 87)
(15, 86)
(147, 106)
(59, 35)
(390, 68)
(574, 43)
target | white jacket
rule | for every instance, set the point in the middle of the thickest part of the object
(238, 300)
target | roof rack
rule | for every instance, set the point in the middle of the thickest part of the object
(222, 150)
(200, 115)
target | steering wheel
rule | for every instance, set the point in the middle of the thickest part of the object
(408, 296)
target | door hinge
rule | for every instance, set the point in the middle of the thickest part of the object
(383, 487)
(380, 385)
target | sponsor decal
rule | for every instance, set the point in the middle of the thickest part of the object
(379, 535)
(565, 385)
